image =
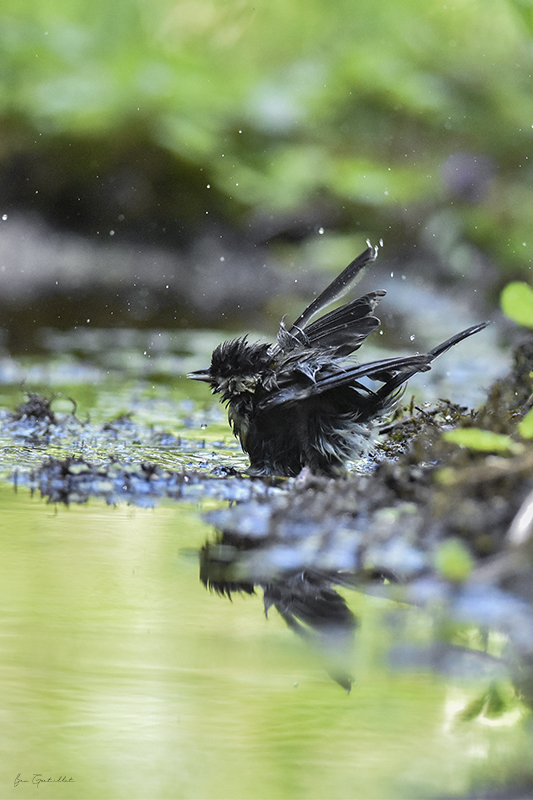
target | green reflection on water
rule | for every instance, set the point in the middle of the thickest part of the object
(117, 668)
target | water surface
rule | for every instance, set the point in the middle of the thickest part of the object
(118, 669)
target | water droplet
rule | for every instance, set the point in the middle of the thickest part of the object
(321, 231)
(412, 337)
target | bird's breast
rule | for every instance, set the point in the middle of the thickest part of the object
(240, 421)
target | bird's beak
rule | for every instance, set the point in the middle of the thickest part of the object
(200, 375)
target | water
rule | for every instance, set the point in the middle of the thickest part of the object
(120, 671)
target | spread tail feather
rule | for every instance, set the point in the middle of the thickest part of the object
(400, 378)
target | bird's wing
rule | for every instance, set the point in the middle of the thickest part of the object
(297, 381)
(292, 389)
(336, 288)
(344, 329)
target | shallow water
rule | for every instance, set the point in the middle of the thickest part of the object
(119, 670)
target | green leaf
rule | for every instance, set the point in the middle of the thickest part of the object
(517, 303)
(453, 560)
(484, 441)
(525, 426)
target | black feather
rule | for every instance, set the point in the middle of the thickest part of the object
(303, 402)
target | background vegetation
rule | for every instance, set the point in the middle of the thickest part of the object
(407, 119)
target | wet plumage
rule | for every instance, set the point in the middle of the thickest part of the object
(304, 401)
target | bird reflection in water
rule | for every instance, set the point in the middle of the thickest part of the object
(304, 597)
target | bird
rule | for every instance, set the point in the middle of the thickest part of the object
(304, 401)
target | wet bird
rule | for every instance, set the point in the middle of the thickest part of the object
(304, 401)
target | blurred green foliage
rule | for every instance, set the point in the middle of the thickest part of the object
(525, 426)
(517, 303)
(453, 560)
(482, 440)
(391, 112)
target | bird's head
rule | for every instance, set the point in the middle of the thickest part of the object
(236, 368)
